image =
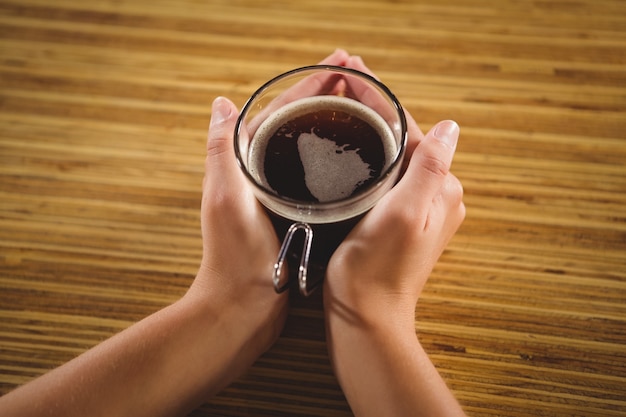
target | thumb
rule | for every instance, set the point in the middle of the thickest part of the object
(220, 159)
(430, 162)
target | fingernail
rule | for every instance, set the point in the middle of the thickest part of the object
(447, 132)
(220, 111)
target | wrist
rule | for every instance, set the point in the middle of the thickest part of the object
(255, 324)
(366, 345)
(217, 343)
(369, 308)
(251, 317)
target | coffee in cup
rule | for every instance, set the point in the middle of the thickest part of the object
(319, 161)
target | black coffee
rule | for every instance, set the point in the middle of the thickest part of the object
(321, 149)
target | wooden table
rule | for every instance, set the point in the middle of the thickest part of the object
(104, 107)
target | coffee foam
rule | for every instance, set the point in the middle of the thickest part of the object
(335, 158)
(323, 159)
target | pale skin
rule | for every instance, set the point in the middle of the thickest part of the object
(172, 361)
(371, 290)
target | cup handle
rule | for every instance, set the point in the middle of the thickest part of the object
(304, 260)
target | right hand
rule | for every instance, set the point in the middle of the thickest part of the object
(381, 267)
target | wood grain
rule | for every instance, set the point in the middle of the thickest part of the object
(103, 114)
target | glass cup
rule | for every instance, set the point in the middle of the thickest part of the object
(320, 145)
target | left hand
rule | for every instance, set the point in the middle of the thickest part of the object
(240, 245)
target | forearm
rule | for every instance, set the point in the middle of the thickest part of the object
(166, 364)
(384, 370)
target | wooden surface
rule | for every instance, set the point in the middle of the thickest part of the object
(104, 107)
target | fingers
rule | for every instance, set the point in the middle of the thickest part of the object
(339, 57)
(220, 163)
(319, 83)
(356, 62)
(430, 165)
(371, 97)
(316, 84)
(365, 92)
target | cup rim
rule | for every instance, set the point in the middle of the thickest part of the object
(311, 68)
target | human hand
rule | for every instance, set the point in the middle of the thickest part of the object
(240, 245)
(312, 85)
(375, 277)
(381, 267)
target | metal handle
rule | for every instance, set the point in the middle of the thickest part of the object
(304, 259)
